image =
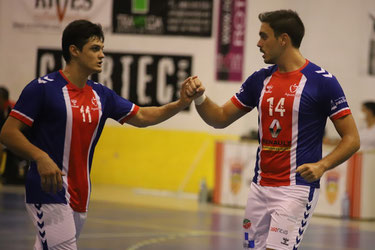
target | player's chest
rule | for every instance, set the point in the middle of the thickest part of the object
(280, 97)
(82, 107)
(278, 100)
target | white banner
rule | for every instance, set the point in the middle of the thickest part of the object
(51, 16)
(237, 171)
(344, 191)
(332, 196)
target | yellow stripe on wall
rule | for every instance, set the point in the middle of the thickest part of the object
(155, 159)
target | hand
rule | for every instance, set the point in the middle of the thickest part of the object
(311, 171)
(191, 88)
(50, 175)
(195, 88)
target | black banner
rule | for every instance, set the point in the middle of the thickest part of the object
(163, 17)
(146, 80)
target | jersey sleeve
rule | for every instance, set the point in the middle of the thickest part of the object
(336, 104)
(29, 104)
(121, 109)
(240, 100)
(248, 96)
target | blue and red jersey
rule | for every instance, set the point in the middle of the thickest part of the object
(292, 113)
(66, 122)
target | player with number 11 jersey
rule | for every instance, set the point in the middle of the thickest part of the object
(68, 121)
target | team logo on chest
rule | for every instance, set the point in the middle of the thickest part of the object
(85, 108)
(74, 103)
(94, 101)
(292, 90)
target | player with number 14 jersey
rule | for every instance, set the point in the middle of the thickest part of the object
(293, 109)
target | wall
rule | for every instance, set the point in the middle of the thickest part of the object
(155, 158)
(337, 38)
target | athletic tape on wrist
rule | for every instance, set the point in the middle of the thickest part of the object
(198, 101)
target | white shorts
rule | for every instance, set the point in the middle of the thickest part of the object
(58, 226)
(277, 217)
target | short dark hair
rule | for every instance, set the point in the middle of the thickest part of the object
(4, 93)
(78, 33)
(285, 21)
(370, 106)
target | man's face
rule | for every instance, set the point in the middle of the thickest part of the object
(268, 44)
(368, 116)
(91, 56)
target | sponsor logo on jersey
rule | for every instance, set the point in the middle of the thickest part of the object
(277, 142)
(94, 101)
(292, 89)
(275, 128)
(246, 223)
(269, 89)
(279, 230)
(285, 241)
(74, 103)
(338, 101)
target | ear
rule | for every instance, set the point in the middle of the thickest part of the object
(74, 51)
(284, 39)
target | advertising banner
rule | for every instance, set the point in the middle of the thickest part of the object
(371, 65)
(231, 40)
(47, 16)
(144, 79)
(163, 17)
(234, 172)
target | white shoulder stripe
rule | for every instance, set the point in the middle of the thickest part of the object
(45, 79)
(131, 110)
(243, 104)
(324, 73)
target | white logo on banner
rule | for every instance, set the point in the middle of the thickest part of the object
(49, 16)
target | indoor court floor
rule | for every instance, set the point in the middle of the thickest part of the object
(133, 219)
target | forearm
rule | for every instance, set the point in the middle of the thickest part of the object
(212, 113)
(20, 145)
(159, 114)
(148, 116)
(342, 152)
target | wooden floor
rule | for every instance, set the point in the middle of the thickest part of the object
(133, 219)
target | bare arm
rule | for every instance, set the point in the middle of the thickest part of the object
(213, 114)
(219, 116)
(347, 146)
(147, 116)
(13, 138)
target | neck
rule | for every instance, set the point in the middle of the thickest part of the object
(76, 75)
(290, 60)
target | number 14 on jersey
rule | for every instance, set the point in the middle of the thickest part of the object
(279, 107)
